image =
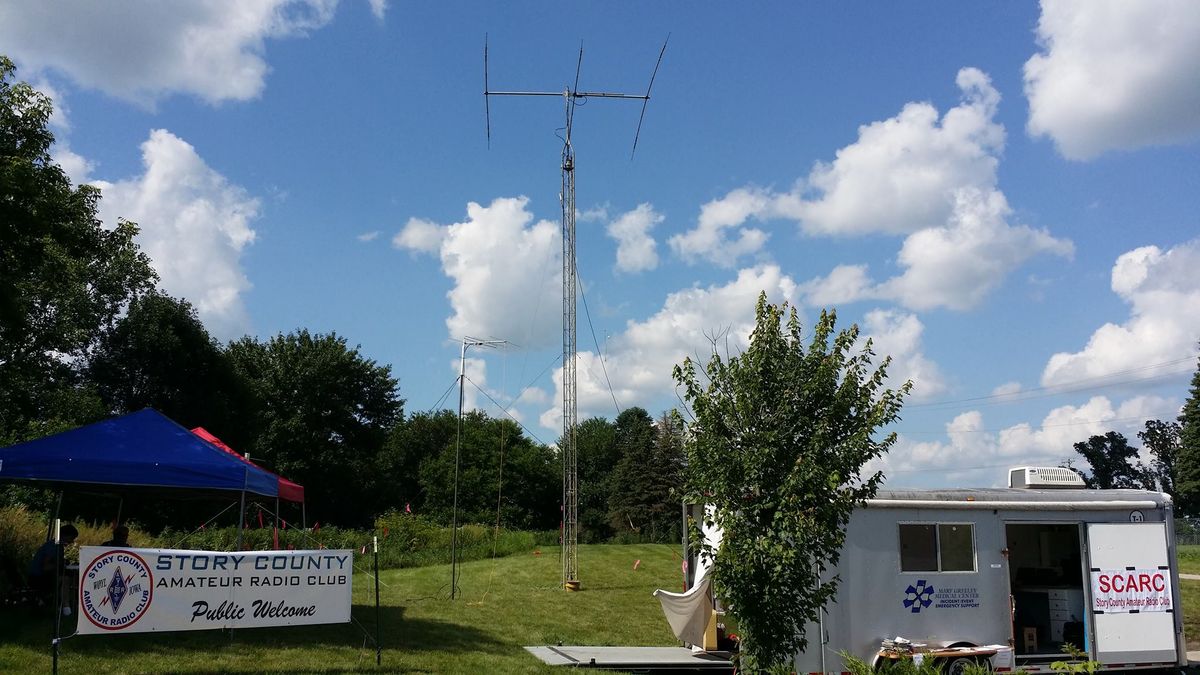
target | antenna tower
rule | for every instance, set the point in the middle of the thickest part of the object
(570, 459)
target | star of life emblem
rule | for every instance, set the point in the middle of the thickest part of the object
(919, 596)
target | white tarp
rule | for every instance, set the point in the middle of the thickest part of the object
(136, 590)
(688, 613)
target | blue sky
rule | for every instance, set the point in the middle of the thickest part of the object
(1002, 195)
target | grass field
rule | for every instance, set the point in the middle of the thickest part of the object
(503, 606)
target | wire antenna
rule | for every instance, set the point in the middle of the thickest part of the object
(571, 96)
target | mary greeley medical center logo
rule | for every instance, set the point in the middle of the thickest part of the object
(115, 590)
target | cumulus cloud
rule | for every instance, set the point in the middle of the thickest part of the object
(506, 271)
(928, 177)
(901, 175)
(1162, 289)
(420, 236)
(378, 8)
(898, 334)
(953, 265)
(640, 358)
(194, 226)
(142, 51)
(1114, 75)
(636, 249)
(970, 449)
(957, 264)
(710, 240)
(368, 236)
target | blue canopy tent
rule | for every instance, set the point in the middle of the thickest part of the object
(142, 451)
(145, 449)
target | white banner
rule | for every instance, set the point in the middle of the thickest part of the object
(1131, 590)
(137, 590)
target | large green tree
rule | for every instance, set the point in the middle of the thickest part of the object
(64, 278)
(1161, 440)
(502, 472)
(646, 479)
(778, 444)
(1112, 462)
(1188, 470)
(160, 355)
(596, 444)
(325, 413)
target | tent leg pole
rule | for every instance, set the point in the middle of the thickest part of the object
(241, 524)
(276, 537)
(58, 570)
(120, 507)
(303, 516)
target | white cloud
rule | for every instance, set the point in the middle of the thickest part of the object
(903, 174)
(710, 241)
(144, 50)
(378, 8)
(972, 450)
(368, 236)
(930, 178)
(636, 249)
(957, 264)
(1163, 291)
(1007, 389)
(954, 265)
(1115, 75)
(592, 215)
(78, 168)
(194, 226)
(900, 176)
(506, 271)
(898, 335)
(420, 236)
(640, 359)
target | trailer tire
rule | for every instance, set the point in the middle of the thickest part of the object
(959, 665)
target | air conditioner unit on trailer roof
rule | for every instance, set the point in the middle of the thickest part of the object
(1042, 477)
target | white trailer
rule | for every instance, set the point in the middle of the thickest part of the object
(1022, 569)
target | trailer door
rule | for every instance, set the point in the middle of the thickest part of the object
(1131, 593)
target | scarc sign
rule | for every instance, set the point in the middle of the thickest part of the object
(1131, 590)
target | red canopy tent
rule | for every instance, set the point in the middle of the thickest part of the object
(288, 490)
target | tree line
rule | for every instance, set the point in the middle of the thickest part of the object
(1169, 460)
(86, 334)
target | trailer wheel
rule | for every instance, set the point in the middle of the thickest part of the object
(959, 665)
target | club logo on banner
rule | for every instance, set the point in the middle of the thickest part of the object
(1131, 590)
(115, 590)
(142, 590)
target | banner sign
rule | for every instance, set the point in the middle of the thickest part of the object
(137, 590)
(1131, 590)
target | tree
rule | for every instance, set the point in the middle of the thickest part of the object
(1188, 471)
(64, 278)
(1109, 458)
(1161, 440)
(644, 483)
(422, 436)
(778, 443)
(499, 469)
(325, 413)
(596, 445)
(159, 355)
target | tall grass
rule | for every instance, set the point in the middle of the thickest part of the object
(405, 540)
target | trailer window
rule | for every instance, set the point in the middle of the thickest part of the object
(918, 548)
(956, 542)
(941, 547)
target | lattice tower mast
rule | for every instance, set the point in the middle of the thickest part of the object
(570, 413)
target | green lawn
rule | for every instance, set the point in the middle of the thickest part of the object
(503, 606)
(1189, 559)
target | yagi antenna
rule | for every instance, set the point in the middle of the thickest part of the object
(568, 450)
(572, 95)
